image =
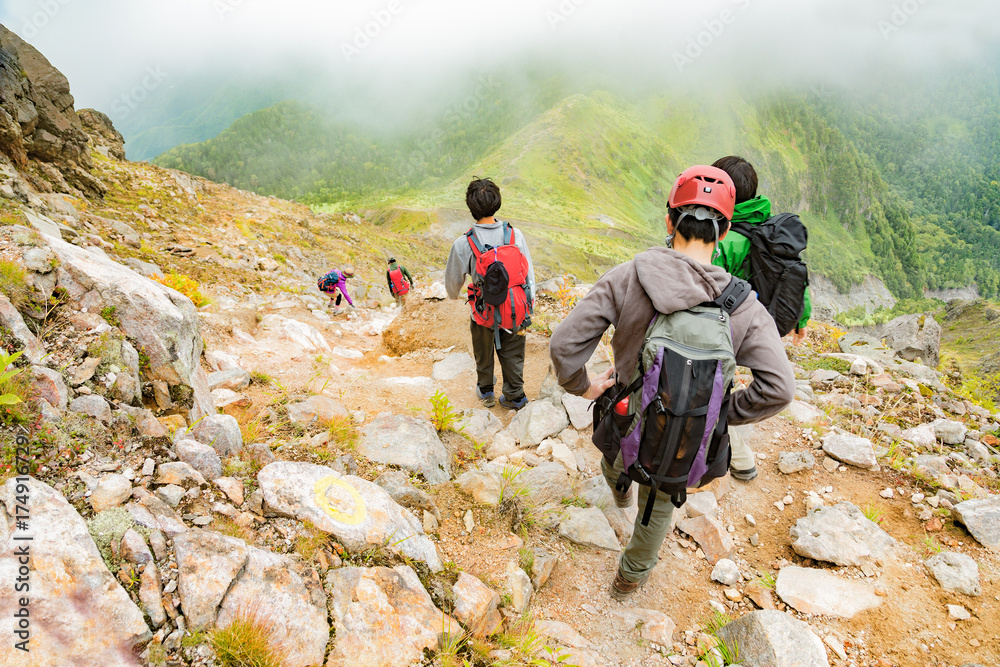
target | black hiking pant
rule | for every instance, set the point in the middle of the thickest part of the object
(511, 355)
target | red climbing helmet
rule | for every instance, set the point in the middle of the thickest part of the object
(702, 185)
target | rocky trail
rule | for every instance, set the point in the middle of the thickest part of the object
(212, 451)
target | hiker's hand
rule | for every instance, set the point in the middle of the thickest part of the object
(798, 336)
(600, 384)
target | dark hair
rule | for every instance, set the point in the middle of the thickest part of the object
(483, 198)
(392, 260)
(692, 228)
(743, 174)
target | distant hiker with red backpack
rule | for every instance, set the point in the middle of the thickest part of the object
(400, 281)
(336, 281)
(682, 326)
(501, 294)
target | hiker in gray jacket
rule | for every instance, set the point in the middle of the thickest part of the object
(628, 297)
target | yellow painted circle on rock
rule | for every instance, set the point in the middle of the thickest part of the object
(345, 496)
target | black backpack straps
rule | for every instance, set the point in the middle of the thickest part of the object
(508, 234)
(741, 227)
(734, 295)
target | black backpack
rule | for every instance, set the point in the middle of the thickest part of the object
(775, 268)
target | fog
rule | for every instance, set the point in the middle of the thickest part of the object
(400, 54)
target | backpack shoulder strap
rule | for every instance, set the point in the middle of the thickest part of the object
(508, 234)
(477, 245)
(741, 227)
(733, 296)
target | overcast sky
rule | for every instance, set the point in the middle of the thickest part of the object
(105, 47)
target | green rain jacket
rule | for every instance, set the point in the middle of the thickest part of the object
(734, 249)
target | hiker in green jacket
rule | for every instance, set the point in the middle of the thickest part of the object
(753, 209)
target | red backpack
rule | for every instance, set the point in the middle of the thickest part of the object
(399, 285)
(499, 295)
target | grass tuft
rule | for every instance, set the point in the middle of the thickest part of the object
(249, 641)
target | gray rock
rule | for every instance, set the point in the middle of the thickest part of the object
(483, 485)
(260, 452)
(318, 410)
(220, 432)
(155, 514)
(159, 545)
(502, 444)
(452, 366)
(982, 518)
(518, 586)
(397, 484)
(234, 379)
(207, 565)
(840, 534)
(949, 432)
(726, 573)
(179, 473)
(92, 405)
(411, 444)
(589, 527)
(770, 638)
(49, 385)
(480, 424)
(793, 462)
(134, 549)
(932, 466)
(546, 483)
(702, 504)
(69, 582)
(955, 572)
(537, 421)
(596, 492)
(914, 337)
(11, 320)
(850, 449)
(171, 494)
(382, 616)
(921, 436)
(820, 592)
(580, 411)
(201, 457)
(295, 604)
(802, 412)
(357, 512)
(711, 536)
(111, 491)
(151, 595)
(867, 346)
(476, 606)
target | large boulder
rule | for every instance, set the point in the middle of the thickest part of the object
(841, 534)
(358, 513)
(914, 337)
(71, 586)
(407, 442)
(383, 617)
(770, 638)
(159, 321)
(982, 518)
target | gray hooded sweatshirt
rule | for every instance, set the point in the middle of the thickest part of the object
(663, 280)
(462, 263)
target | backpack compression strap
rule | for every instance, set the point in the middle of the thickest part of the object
(733, 296)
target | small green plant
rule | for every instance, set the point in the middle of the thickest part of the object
(722, 653)
(15, 391)
(110, 315)
(260, 377)
(185, 285)
(308, 545)
(343, 432)
(873, 513)
(574, 501)
(510, 489)
(109, 526)
(248, 641)
(931, 544)
(192, 639)
(14, 283)
(442, 415)
(767, 580)
(8, 387)
(526, 558)
(226, 526)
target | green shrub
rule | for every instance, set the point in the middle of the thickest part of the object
(14, 283)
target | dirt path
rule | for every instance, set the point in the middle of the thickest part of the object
(910, 628)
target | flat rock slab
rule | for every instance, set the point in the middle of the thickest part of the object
(295, 605)
(411, 444)
(840, 534)
(589, 527)
(982, 518)
(383, 617)
(770, 638)
(207, 565)
(580, 411)
(476, 606)
(549, 482)
(537, 421)
(793, 462)
(299, 333)
(71, 587)
(358, 513)
(814, 591)
(850, 449)
(453, 365)
(479, 424)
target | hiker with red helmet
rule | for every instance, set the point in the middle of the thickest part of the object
(500, 294)
(681, 327)
(400, 281)
(336, 281)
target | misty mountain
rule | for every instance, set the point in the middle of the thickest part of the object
(590, 172)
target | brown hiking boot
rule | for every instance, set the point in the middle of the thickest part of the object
(622, 589)
(623, 500)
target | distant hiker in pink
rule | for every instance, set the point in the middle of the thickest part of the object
(336, 281)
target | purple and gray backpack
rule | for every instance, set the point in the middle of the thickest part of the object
(673, 434)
